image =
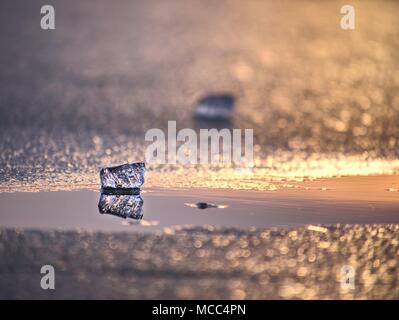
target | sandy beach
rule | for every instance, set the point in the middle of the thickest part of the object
(323, 193)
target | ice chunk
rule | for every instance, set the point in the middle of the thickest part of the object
(124, 206)
(126, 176)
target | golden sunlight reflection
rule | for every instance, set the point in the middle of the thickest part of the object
(269, 173)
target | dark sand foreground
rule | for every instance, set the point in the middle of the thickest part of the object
(201, 263)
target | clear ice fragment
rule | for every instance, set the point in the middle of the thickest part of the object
(126, 176)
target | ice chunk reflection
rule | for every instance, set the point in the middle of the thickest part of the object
(122, 205)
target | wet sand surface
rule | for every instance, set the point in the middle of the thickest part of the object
(215, 253)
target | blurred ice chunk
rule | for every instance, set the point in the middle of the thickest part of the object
(124, 206)
(126, 176)
(215, 107)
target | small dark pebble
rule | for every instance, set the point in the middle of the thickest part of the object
(204, 205)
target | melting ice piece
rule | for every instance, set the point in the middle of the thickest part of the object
(126, 176)
(215, 107)
(124, 206)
